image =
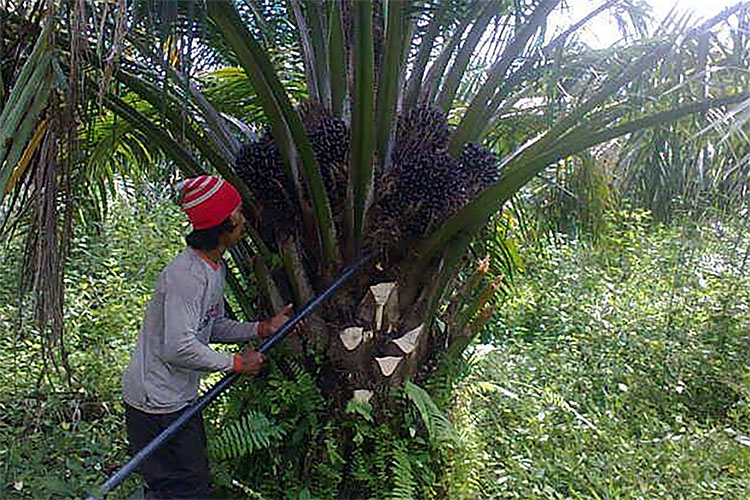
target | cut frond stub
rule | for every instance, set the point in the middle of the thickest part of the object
(388, 364)
(408, 342)
(351, 337)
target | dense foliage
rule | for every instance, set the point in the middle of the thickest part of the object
(616, 370)
(398, 128)
(55, 442)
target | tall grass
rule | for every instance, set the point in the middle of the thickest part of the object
(618, 371)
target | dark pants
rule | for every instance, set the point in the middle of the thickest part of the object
(179, 468)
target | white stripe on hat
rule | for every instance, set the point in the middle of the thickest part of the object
(189, 183)
(204, 196)
(195, 189)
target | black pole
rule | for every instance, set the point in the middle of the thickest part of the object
(192, 409)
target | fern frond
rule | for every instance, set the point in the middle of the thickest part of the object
(253, 431)
(380, 458)
(439, 428)
(361, 467)
(404, 484)
(296, 389)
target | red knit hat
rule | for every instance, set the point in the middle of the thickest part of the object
(208, 200)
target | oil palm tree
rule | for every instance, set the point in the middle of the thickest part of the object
(371, 163)
(694, 164)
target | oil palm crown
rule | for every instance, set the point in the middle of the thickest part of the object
(381, 149)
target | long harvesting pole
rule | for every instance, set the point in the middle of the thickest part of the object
(192, 409)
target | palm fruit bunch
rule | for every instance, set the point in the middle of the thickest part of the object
(329, 140)
(479, 167)
(259, 164)
(422, 128)
(420, 188)
(431, 189)
(261, 168)
(425, 185)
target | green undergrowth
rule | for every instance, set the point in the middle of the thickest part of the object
(619, 371)
(59, 440)
(615, 371)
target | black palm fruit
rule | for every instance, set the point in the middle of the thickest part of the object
(431, 190)
(479, 167)
(260, 166)
(429, 185)
(329, 140)
(425, 185)
(421, 128)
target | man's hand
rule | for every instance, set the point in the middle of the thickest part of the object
(249, 362)
(271, 325)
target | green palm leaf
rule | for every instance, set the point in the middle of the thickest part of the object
(363, 114)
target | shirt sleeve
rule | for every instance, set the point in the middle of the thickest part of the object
(181, 319)
(229, 331)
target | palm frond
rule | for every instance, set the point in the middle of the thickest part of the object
(389, 80)
(183, 157)
(437, 424)
(455, 74)
(26, 101)
(472, 123)
(363, 114)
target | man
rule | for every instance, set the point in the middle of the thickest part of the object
(185, 312)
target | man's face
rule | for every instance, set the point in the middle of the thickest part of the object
(238, 219)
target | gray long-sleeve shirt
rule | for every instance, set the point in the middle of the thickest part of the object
(185, 313)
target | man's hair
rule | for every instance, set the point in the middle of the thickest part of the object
(208, 239)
